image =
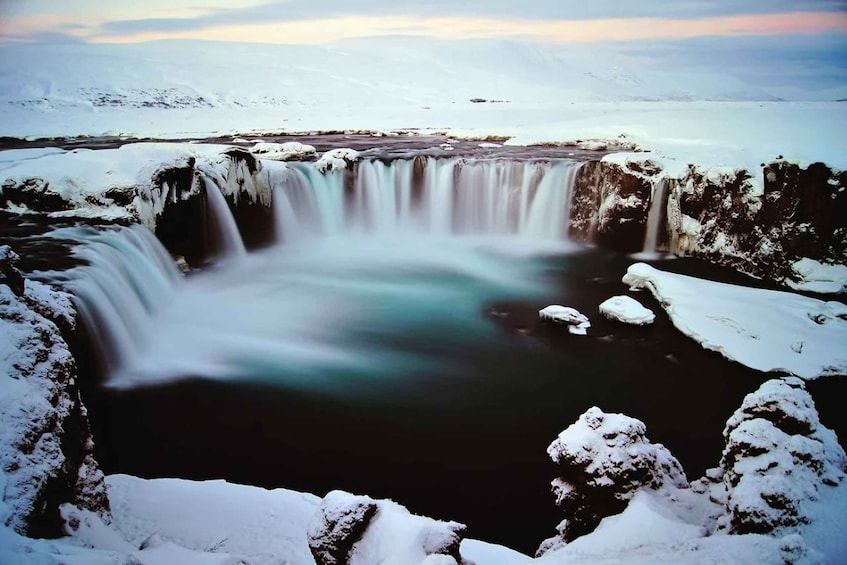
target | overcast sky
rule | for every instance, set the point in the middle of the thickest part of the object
(325, 21)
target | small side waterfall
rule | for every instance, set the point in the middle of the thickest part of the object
(229, 242)
(454, 197)
(656, 214)
(129, 278)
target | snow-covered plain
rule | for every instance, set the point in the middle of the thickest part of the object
(532, 94)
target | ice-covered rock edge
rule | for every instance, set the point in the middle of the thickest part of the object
(785, 223)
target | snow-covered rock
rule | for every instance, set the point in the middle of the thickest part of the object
(604, 460)
(289, 151)
(576, 322)
(763, 329)
(336, 160)
(761, 222)
(627, 310)
(46, 449)
(358, 530)
(814, 276)
(778, 459)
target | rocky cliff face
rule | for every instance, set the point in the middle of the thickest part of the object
(720, 215)
(48, 453)
(609, 204)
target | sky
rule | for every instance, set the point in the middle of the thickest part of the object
(325, 21)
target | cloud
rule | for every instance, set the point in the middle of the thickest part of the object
(539, 10)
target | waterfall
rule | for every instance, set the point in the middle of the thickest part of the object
(230, 244)
(129, 277)
(654, 218)
(455, 197)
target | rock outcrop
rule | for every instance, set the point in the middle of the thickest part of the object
(778, 460)
(604, 459)
(717, 213)
(358, 530)
(47, 455)
(610, 203)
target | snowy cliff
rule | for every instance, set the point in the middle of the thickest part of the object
(46, 448)
(762, 225)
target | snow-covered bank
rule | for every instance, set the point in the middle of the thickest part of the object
(763, 329)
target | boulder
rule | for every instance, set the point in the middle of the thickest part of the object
(358, 530)
(604, 459)
(778, 458)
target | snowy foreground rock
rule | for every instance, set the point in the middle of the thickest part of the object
(358, 530)
(778, 461)
(604, 459)
(46, 449)
(777, 497)
(627, 310)
(763, 329)
(576, 322)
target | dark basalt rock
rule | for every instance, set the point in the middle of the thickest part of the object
(609, 206)
(340, 523)
(718, 216)
(34, 194)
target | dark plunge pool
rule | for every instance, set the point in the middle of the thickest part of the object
(411, 368)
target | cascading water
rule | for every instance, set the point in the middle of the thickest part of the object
(380, 256)
(656, 214)
(129, 279)
(528, 199)
(230, 244)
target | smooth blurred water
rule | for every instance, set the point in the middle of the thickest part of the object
(331, 312)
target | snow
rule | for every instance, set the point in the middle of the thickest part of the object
(763, 329)
(577, 323)
(289, 151)
(336, 159)
(199, 515)
(174, 90)
(627, 310)
(814, 276)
